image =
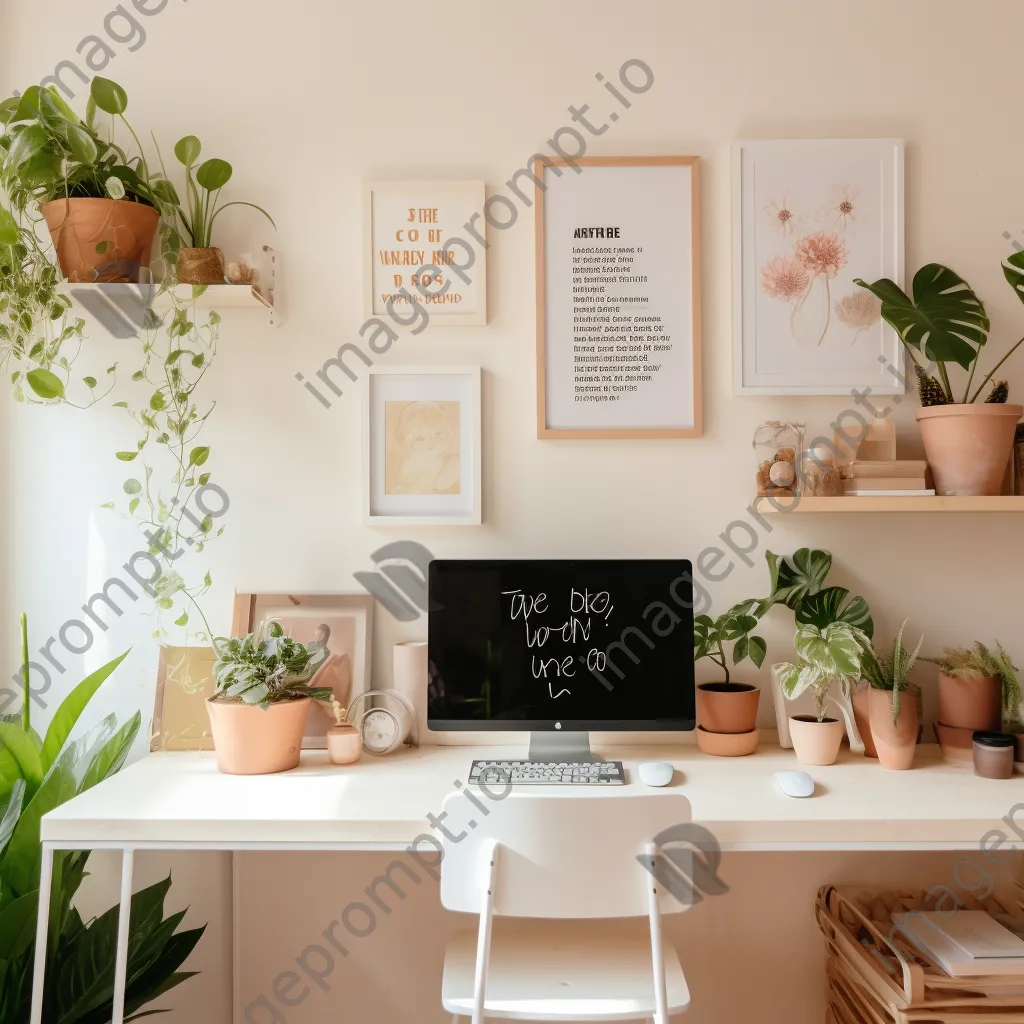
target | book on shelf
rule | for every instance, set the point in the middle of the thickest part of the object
(927, 492)
(966, 944)
(895, 483)
(884, 469)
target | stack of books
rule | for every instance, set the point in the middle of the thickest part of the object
(891, 478)
(964, 943)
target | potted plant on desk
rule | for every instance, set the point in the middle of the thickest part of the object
(967, 443)
(825, 658)
(258, 713)
(893, 721)
(727, 710)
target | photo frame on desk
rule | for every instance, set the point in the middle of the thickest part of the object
(343, 623)
(618, 298)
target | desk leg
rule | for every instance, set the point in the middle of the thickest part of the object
(123, 918)
(42, 924)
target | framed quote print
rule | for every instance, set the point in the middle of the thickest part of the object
(417, 250)
(810, 216)
(421, 450)
(618, 298)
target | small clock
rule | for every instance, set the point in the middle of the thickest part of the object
(383, 718)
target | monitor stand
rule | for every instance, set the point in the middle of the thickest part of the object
(562, 746)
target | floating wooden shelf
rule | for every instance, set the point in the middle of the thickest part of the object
(1001, 503)
(215, 296)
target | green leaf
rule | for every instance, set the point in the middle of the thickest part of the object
(945, 320)
(102, 247)
(207, 580)
(29, 141)
(198, 456)
(71, 708)
(89, 382)
(204, 479)
(45, 383)
(108, 96)
(756, 650)
(17, 927)
(133, 505)
(166, 603)
(198, 360)
(1013, 271)
(127, 456)
(213, 174)
(110, 758)
(156, 403)
(82, 144)
(187, 150)
(19, 758)
(739, 651)
(182, 619)
(9, 818)
(8, 227)
(132, 486)
(833, 604)
(138, 375)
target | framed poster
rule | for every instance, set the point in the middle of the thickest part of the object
(340, 623)
(407, 228)
(421, 451)
(618, 298)
(809, 216)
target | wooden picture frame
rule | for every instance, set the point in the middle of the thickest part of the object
(621, 194)
(387, 209)
(348, 616)
(400, 403)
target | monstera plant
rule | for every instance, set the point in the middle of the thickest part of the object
(38, 774)
(944, 325)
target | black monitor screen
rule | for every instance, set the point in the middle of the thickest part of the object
(580, 645)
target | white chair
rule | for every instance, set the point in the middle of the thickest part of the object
(556, 862)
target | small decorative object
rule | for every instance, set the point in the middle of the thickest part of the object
(978, 688)
(727, 708)
(410, 677)
(626, 362)
(808, 217)
(967, 442)
(344, 741)
(417, 251)
(340, 626)
(184, 682)
(776, 446)
(384, 718)
(818, 478)
(263, 695)
(993, 755)
(422, 446)
(239, 272)
(893, 720)
(201, 263)
(826, 657)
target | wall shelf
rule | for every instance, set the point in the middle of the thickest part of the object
(216, 296)
(855, 506)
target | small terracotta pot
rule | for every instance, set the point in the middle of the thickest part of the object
(862, 715)
(727, 744)
(968, 446)
(956, 744)
(200, 266)
(123, 230)
(896, 744)
(344, 744)
(727, 707)
(816, 742)
(975, 704)
(253, 741)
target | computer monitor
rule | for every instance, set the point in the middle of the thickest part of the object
(560, 647)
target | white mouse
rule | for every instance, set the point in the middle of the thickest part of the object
(798, 784)
(656, 773)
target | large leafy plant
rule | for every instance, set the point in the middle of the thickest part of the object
(825, 657)
(267, 667)
(38, 774)
(734, 626)
(889, 671)
(945, 323)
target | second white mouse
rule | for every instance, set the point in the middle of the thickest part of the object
(656, 773)
(798, 784)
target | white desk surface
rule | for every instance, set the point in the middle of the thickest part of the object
(181, 800)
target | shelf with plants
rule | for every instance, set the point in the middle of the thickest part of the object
(857, 506)
(211, 296)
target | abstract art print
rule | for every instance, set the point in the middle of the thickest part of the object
(422, 448)
(809, 216)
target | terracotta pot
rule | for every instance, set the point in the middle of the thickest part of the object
(727, 707)
(344, 744)
(816, 742)
(956, 744)
(200, 266)
(79, 226)
(975, 704)
(862, 715)
(251, 741)
(968, 446)
(727, 744)
(896, 744)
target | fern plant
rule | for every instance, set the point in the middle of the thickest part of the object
(981, 662)
(889, 671)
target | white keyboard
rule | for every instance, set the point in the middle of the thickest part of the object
(549, 773)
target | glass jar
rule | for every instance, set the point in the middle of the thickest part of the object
(777, 447)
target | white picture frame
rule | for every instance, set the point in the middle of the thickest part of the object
(416, 472)
(461, 298)
(809, 215)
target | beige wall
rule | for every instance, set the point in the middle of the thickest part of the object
(308, 101)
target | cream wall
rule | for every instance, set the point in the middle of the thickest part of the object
(308, 102)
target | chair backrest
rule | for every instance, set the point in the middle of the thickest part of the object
(562, 855)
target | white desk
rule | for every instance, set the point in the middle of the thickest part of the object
(174, 801)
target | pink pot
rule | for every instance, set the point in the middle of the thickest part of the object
(816, 742)
(253, 741)
(862, 715)
(975, 704)
(968, 446)
(896, 744)
(344, 744)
